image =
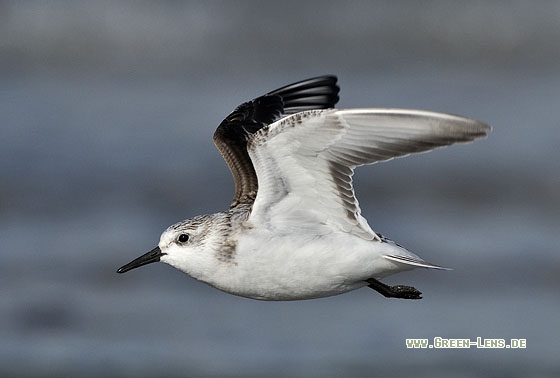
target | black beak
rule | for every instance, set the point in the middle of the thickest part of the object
(148, 258)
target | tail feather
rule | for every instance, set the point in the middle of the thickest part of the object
(408, 260)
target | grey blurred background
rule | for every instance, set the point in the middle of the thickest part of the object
(107, 110)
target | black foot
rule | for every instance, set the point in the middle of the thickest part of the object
(397, 291)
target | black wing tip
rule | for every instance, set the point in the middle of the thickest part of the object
(316, 81)
(324, 81)
(320, 92)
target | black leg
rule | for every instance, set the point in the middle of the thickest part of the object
(397, 291)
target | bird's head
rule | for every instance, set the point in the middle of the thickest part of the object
(191, 246)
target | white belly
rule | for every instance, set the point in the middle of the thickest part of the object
(291, 267)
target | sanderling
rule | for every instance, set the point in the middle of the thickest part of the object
(294, 228)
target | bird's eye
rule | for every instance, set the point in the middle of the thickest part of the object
(183, 238)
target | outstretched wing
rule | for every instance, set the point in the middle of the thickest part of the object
(233, 133)
(304, 162)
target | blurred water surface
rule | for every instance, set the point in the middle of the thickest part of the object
(108, 110)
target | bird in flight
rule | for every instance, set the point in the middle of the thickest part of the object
(294, 229)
